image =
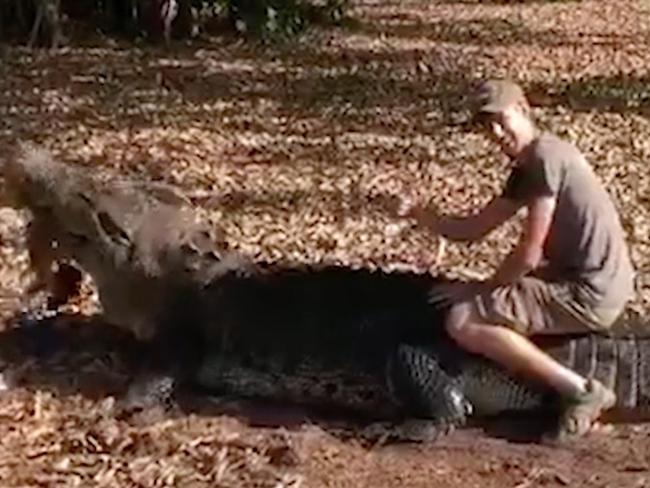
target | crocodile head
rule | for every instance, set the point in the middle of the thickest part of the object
(135, 240)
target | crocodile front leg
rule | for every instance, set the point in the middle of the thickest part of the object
(168, 361)
(155, 380)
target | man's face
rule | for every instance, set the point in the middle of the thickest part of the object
(508, 128)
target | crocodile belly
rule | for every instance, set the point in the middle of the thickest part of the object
(341, 388)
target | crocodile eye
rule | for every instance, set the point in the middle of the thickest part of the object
(111, 229)
(79, 239)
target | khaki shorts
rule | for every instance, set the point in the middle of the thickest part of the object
(532, 306)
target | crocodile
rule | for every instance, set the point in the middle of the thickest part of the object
(365, 340)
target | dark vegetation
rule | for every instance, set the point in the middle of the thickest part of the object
(45, 22)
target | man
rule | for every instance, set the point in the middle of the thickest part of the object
(569, 273)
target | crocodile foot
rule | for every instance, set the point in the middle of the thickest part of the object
(149, 391)
(412, 430)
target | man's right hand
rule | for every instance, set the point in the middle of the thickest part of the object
(425, 217)
(407, 209)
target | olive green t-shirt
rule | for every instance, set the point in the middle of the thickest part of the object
(586, 242)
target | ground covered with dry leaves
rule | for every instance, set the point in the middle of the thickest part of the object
(294, 151)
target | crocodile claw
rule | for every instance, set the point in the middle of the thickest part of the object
(411, 430)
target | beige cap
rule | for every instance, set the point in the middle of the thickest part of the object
(495, 95)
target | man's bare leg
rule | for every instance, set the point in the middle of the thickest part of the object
(512, 350)
(521, 356)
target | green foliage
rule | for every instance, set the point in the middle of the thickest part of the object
(278, 19)
(265, 18)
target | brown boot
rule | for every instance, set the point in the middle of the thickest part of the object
(581, 411)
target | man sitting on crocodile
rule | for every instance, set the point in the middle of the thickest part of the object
(211, 318)
(570, 272)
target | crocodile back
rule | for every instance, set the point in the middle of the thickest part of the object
(331, 314)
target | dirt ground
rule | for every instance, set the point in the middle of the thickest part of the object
(292, 151)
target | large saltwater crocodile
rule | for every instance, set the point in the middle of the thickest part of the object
(360, 339)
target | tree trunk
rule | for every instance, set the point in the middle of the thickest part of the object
(46, 29)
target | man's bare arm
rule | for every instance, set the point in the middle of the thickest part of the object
(530, 249)
(470, 227)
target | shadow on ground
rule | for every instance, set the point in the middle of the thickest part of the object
(475, 32)
(619, 93)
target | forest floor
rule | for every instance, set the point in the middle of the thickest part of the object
(293, 151)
